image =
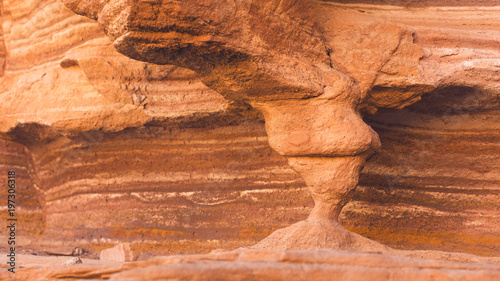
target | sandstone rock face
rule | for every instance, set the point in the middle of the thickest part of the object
(202, 169)
(16, 157)
(126, 150)
(426, 160)
(268, 265)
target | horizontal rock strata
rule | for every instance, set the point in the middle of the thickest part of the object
(269, 265)
(131, 151)
(442, 171)
(28, 200)
(175, 187)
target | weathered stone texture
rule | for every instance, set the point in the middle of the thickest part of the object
(28, 198)
(264, 265)
(125, 150)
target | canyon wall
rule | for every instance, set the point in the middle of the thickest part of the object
(109, 149)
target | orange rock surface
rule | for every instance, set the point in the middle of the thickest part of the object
(262, 265)
(183, 127)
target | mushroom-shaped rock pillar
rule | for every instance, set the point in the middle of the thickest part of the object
(326, 141)
(273, 56)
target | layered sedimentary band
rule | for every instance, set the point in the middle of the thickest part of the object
(131, 151)
(434, 182)
(38, 32)
(267, 265)
(25, 206)
(62, 71)
(173, 187)
(183, 188)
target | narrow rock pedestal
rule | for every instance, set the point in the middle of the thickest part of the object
(331, 182)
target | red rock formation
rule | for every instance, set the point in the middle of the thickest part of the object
(266, 265)
(128, 150)
(383, 61)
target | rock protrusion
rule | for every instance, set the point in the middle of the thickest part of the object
(119, 253)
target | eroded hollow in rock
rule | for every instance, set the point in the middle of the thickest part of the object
(434, 182)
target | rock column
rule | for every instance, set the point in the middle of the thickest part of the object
(326, 141)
